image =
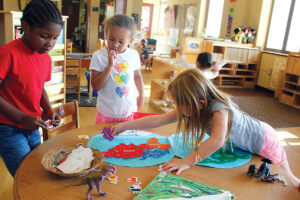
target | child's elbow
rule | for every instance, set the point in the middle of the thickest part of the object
(95, 87)
(218, 143)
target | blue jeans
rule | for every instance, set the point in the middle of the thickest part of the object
(15, 144)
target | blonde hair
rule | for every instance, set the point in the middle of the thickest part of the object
(187, 89)
(121, 21)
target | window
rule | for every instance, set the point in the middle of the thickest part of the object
(214, 18)
(283, 32)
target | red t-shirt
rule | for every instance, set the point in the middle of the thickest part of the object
(24, 73)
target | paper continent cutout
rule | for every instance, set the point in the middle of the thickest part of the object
(219, 159)
(153, 148)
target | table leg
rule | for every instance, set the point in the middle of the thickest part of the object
(90, 90)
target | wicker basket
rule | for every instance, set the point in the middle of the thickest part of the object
(49, 158)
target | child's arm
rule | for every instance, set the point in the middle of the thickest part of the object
(182, 59)
(138, 80)
(98, 79)
(219, 64)
(28, 121)
(211, 145)
(145, 122)
(48, 112)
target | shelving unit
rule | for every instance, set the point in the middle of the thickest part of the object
(56, 87)
(162, 70)
(9, 21)
(290, 91)
(242, 67)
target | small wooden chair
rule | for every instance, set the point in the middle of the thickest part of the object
(69, 46)
(73, 73)
(69, 109)
(100, 44)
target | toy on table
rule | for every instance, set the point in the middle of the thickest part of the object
(264, 172)
(86, 137)
(107, 133)
(135, 189)
(134, 180)
(95, 178)
(113, 179)
(264, 169)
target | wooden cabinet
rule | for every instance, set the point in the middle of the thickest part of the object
(270, 66)
(242, 67)
(163, 69)
(56, 87)
(290, 91)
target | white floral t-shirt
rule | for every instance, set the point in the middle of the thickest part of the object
(117, 98)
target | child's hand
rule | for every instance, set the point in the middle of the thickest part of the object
(52, 116)
(117, 129)
(112, 56)
(175, 164)
(32, 123)
(140, 102)
(181, 164)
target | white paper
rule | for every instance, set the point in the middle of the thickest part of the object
(78, 160)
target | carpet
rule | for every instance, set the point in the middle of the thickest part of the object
(265, 107)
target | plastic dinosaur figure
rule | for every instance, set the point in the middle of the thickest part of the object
(95, 178)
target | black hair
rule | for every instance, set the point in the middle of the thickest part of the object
(38, 13)
(205, 60)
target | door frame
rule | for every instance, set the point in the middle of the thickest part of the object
(151, 17)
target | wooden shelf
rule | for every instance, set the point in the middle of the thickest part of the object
(57, 97)
(158, 105)
(59, 46)
(57, 58)
(293, 83)
(290, 90)
(242, 63)
(161, 82)
(58, 86)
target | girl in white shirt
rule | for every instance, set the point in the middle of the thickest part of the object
(116, 71)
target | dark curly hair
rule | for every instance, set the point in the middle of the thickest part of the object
(38, 13)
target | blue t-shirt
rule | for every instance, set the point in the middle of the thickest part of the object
(247, 133)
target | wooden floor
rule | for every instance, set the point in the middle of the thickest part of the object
(290, 137)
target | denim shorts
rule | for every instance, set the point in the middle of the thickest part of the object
(15, 144)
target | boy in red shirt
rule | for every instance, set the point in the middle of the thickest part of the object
(24, 68)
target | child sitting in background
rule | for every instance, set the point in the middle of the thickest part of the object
(144, 51)
(201, 108)
(115, 71)
(204, 63)
(24, 68)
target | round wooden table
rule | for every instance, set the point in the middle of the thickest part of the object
(32, 182)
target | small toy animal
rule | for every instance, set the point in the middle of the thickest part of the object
(95, 178)
(264, 169)
(107, 133)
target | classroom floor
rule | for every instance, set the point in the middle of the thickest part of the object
(88, 115)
